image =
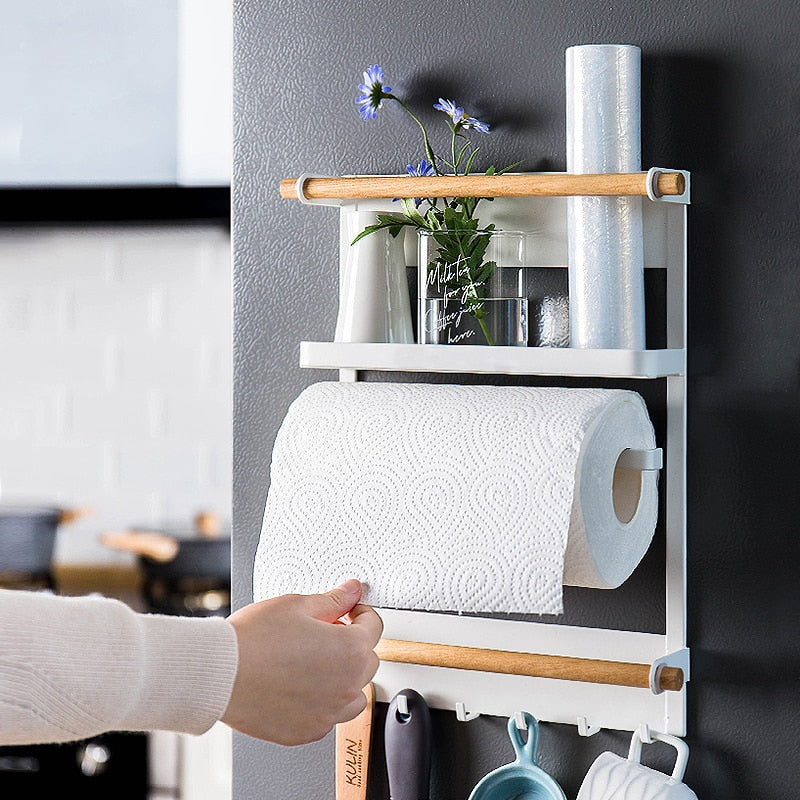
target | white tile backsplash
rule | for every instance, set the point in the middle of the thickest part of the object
(115, 345)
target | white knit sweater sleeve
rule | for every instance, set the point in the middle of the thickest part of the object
(71, 668)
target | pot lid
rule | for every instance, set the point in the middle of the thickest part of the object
(43, 510)
(28, 508)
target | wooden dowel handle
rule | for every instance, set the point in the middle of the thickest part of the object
(507, 662)
(518, 185)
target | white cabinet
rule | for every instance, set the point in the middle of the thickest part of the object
(115, 94)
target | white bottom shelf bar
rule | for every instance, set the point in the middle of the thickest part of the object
(493, 360)
(549, 700)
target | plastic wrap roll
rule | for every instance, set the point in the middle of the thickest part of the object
(606, 275)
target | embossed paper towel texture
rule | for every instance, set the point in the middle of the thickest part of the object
(449, 498)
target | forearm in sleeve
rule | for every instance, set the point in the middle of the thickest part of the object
(71, 668)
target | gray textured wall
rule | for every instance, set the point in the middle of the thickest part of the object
(720, 99)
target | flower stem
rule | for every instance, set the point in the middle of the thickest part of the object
(478, 308)
(428, 150)
(485, 331)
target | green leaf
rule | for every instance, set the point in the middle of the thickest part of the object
(413, 216)
(451, 219)
(385, 221)
(461, 155)
(510, 167)
(471, 159)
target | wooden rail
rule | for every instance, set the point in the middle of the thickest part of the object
(560, 184)
(535, 665)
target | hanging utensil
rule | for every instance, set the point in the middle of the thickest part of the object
(613, 776)
(353, 740)
(523, 779)
(408, 746)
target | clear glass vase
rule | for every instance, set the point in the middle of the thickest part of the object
(472, 288)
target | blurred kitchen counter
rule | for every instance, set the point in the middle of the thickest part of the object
(111, 580)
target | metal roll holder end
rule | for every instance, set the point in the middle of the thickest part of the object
(653, 175)
(300, 185)
(679, 659)
(644, 460)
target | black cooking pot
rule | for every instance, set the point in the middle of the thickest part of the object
(175, 555)
(28, 534)
(196, 558)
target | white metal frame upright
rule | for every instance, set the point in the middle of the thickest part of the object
(589, 705)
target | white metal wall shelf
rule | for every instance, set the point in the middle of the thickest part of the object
(492, 360)
(590, 677)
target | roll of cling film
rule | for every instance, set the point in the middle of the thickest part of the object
(606, 275)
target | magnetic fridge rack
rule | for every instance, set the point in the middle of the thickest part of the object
(592, 677)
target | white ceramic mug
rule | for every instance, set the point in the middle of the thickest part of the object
(612, 776)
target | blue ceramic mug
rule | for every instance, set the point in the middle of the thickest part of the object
(523, 779)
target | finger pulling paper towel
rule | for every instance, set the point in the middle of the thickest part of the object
(456, 498)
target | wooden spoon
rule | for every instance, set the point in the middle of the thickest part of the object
(353, 741)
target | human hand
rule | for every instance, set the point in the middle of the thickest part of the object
(300, 670)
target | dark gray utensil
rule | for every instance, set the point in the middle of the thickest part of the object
(407, 739)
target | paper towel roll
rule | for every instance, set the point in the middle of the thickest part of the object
(456, 498)
(606, 258)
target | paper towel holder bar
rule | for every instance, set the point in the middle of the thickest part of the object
(646, 460)
(658, 183)
(534, 665)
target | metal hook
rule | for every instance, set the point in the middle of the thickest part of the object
(644, 733)
(462, 715)
(402, 705)
(519, 721)
(586, 729)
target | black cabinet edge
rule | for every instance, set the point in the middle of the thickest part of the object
(115, 204)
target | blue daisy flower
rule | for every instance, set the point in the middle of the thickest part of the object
(456, 113)
(374, 91)
(424, 170)
(459, 117)
(471, 122)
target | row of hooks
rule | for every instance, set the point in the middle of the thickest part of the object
(585, 728)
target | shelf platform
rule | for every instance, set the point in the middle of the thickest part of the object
(483, 359)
